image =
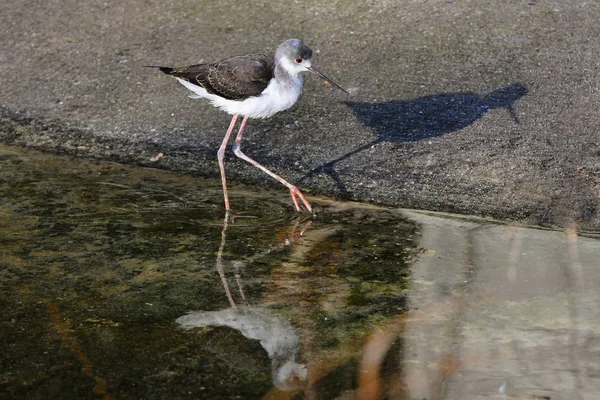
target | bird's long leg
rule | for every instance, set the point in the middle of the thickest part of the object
(221, 156)
(294, 191)
(220, 267)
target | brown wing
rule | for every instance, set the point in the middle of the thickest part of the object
(235, 78)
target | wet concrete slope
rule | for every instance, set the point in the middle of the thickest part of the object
(488, 108)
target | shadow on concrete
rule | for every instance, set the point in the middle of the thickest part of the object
(422, 118)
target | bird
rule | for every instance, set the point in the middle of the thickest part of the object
(275, 334)
(251, 86)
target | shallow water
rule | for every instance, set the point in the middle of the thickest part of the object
(120, 282)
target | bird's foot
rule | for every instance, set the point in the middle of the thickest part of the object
(295, 192)
(295, 235)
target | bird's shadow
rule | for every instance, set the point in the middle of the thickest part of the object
(422, 118)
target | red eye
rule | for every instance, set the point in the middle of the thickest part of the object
(298, 60)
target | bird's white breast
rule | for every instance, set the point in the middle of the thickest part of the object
(278, 96)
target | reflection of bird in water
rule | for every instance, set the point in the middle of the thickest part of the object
(275, 333)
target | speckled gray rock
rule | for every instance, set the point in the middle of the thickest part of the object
(486, 108)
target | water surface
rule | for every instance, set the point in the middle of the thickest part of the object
(120, 282)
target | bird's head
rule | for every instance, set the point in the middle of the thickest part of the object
(295, 57)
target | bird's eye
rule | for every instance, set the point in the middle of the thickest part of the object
(299, 60)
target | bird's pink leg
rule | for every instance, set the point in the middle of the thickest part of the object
(221, 156)
(294, 191)
(220, 268)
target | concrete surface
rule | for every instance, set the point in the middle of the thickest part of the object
(484, 107)
(499, 312)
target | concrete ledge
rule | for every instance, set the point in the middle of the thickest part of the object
(488, 109)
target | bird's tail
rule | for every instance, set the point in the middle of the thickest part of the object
(166, 70)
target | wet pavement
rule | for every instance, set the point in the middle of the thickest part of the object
(474, 107)
(121, 282)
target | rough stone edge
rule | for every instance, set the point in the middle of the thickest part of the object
(55, 136)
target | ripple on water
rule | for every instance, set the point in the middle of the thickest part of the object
(100, 259)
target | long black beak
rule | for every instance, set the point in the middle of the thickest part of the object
(320, 75)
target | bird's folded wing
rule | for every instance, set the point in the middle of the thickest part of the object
(235, 78)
